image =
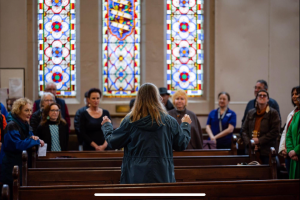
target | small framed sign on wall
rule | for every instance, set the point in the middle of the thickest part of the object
(14, 80)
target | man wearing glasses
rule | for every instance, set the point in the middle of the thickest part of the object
(51, 87)
(260, 85)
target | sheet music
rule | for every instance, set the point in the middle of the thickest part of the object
(42, 150)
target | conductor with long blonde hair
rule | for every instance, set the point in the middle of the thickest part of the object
(149, 135)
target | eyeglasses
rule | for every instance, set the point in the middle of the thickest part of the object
(262, 95)
(55, 110)
(49, 100)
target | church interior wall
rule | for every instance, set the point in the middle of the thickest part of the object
(253, 39)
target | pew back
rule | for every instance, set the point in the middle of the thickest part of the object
(258, 190)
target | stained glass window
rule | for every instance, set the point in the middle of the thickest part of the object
(121, 47)
(56, 46)
(185, 46)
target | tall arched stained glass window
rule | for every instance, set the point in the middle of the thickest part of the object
(56, 46)
(185, 46)
(121, 47)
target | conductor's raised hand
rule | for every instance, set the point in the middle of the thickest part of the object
(186, 118)
(105, 119)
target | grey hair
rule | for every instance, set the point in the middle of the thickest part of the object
(49, 83)
(43, 97)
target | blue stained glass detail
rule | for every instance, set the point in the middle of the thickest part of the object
(40, 57)
(168, 77)
(41, 77)
(168, 56)
(73, 77)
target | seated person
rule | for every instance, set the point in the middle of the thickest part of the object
(221, 123)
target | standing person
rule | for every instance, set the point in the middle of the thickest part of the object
(17, 137)
(180, 101)
(165, 98)
(3, 110)
(263, 121)
(90, 123)
(51, 87)
(149, 136)
(293, 146)
(53, 129)
(46, 99)
(282, 146)
(221, 123)
(77, 118)
(260, 85)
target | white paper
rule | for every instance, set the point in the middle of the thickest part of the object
(42, 150)
(3, 96)
(15, 88)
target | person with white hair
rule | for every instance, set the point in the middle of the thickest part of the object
(51, 87)
(46, 99)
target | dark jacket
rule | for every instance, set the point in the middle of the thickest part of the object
(35, 120)
(169, 106)
(16, 139)
(77, 123)
(43, 131)
(148, 148)
(196, 141)
(251, 104)
(269, 129)
(63, 109)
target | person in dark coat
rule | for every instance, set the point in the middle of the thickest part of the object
(149, 136)
(46, 99)
(17, 137)
(264, 122)
(51, 87)
(90, 123)
(260, 85)
(180, 100)
(77, 118)
(165, 98)
(53, 129)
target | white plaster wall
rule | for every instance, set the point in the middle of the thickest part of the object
(254, 39)
(257, 39)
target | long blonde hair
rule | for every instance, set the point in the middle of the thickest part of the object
(148, 102)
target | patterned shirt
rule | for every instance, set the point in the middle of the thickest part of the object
(55, 144)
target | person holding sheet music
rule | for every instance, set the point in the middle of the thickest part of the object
(262, 124)
(149, 135)
(221, 123)
(53, 129)
(17, 137)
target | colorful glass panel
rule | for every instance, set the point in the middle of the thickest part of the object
(56, 46)
(185, 46)
(121, 47)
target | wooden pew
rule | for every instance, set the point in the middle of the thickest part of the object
(226, 190)
(118, 154)
(111, 175)
(44, 162)
(117, 162)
